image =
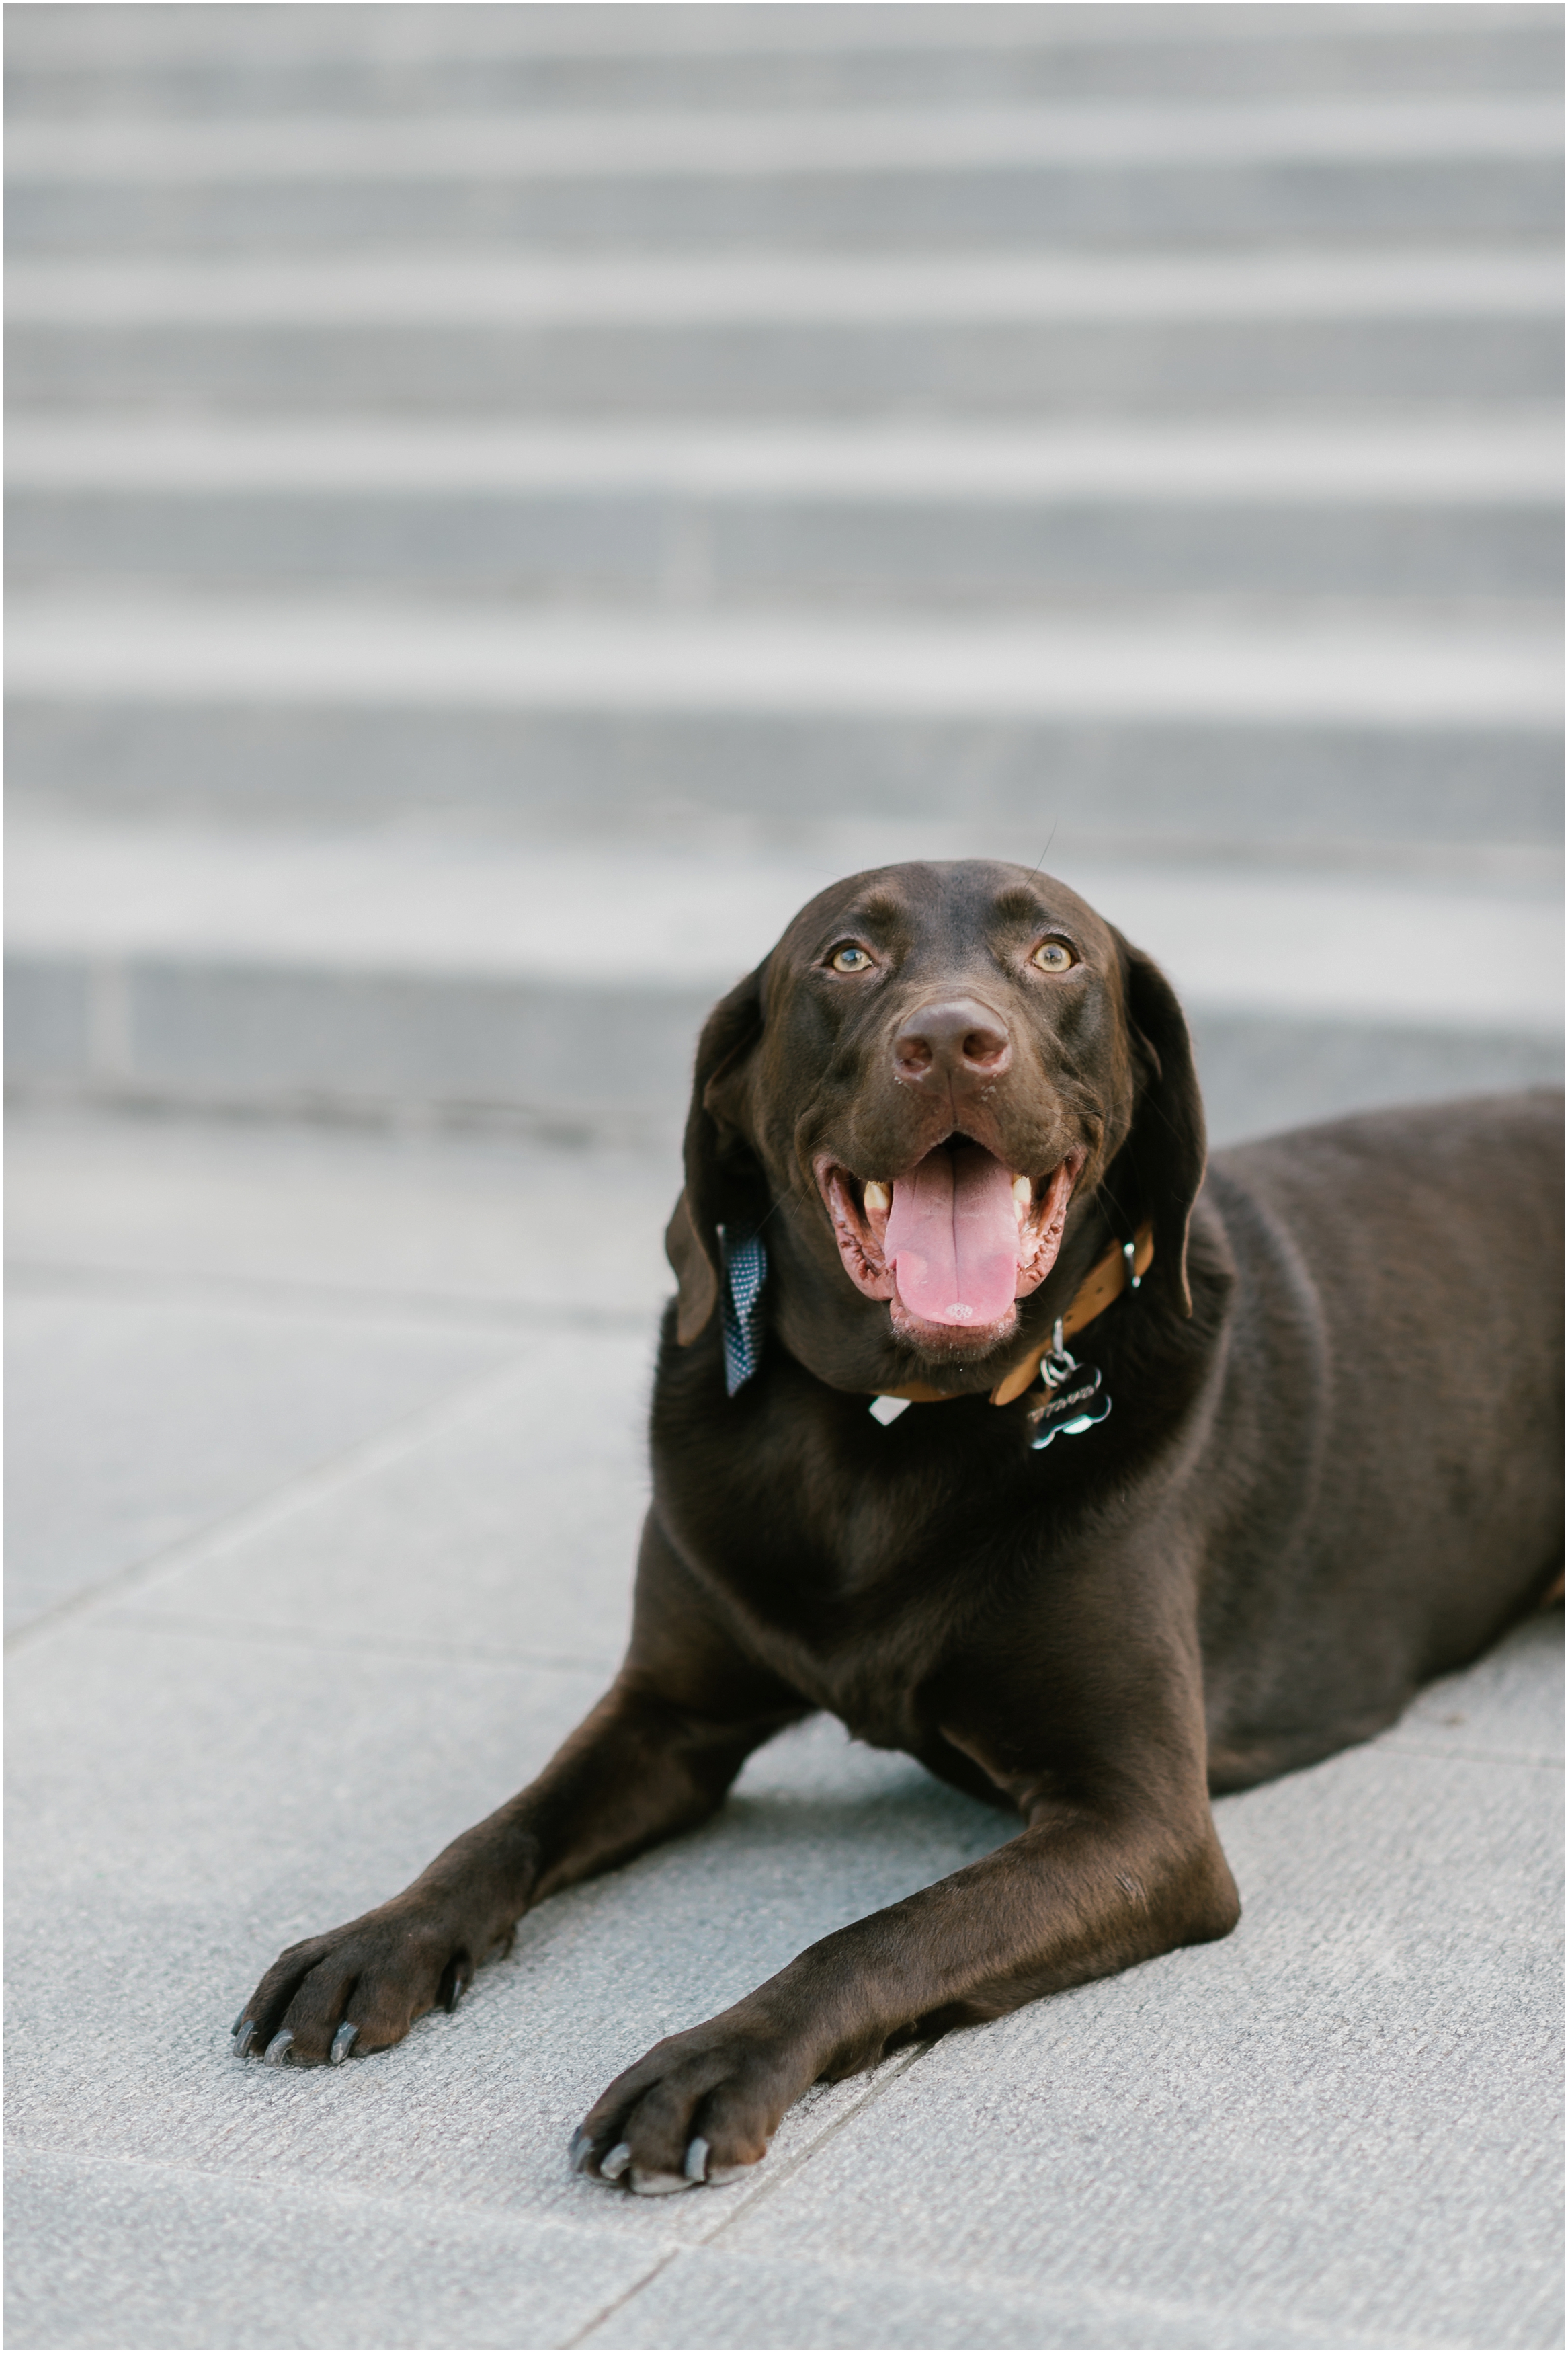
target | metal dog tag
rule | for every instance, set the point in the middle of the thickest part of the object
(1074, 1402)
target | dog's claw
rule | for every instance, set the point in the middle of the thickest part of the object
(244, 2032)
(615, 2163)
(581, 2150)
(696, 2167)
(343, 2041)
(277, 2052)
(656, 2185)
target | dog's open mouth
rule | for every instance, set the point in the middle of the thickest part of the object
(954, 1243)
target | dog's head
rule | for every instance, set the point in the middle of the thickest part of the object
(941, 1093)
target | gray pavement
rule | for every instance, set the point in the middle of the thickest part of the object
(251, 1698)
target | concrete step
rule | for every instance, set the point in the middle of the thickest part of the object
(1324, 172)
(774, 334)
(1348, 729)
(250, 61)
(1420, 507)
(566, 985)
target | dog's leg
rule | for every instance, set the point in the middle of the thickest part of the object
(1112, 1870)
(654, 1759)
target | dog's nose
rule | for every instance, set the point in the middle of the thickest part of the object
(958, 1043)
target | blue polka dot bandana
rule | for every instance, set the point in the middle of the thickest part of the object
(745, 1273)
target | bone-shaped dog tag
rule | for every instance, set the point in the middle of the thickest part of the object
(1073, 1406)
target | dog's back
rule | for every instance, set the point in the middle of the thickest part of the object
(1394, 1397)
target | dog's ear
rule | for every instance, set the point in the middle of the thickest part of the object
(1159, 1169)
(723, 1183)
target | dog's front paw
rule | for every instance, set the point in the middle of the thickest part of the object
(357, 1989)
(701, 2106)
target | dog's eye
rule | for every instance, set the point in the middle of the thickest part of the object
(1055, 956)
(851, 958)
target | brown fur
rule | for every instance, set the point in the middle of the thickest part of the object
(1306, 1501)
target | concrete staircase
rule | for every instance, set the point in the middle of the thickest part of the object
(504, 502)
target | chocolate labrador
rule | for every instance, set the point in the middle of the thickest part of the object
(988, 1420)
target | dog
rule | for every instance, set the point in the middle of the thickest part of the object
(991, 1421)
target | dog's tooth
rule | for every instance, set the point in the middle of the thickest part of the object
(878, 1196)
(1023, 1192)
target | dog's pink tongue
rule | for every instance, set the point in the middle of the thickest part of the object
(952, 1238)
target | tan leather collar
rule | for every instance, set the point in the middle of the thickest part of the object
(1105, 1282)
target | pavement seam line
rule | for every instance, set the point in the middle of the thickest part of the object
(308, 2188)
(369, 1305)
(1435, 1753)
(886, 2076)
(324, 1478)
(1108, 2303)
(617, 2303)
(314, 1638)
